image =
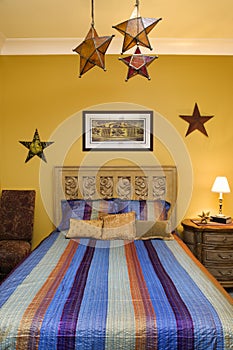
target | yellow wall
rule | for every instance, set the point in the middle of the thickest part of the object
(44, 91)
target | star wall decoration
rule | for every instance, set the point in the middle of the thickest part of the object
(92, 51)
(36, 147)
(135, 31)
(196, 121)
(138, 64)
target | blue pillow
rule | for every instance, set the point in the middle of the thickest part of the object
(84, 209)
(145, 209)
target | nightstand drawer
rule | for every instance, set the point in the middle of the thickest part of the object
(225, 238)
(219, 256)
(221, 273)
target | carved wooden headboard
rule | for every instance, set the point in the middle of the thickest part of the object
(141, 183)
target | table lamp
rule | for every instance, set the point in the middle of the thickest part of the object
(220, 186)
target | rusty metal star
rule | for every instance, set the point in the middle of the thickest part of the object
(138, 63)
(36, 147)
(196, 121)
(92, 51)
(135, 31)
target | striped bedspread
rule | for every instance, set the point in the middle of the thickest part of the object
(81, 294)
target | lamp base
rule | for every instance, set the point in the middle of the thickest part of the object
(222, 219)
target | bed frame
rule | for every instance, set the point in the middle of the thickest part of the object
(124, 182)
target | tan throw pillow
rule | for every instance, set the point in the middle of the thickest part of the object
(119, 226)
(85, 228)
(153, 230)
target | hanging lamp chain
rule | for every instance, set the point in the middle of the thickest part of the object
(137, 6)
(92, 14)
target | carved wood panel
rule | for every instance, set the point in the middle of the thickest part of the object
(126, 187)
(71, 187)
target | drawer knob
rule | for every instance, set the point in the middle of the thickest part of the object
(225, 257)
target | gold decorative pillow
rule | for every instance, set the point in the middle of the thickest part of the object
(119, 226)
(85, 228)
(153, 230)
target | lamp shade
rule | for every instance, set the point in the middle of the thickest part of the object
(221, 185)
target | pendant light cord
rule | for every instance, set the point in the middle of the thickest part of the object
(92, 13)
(137, 6)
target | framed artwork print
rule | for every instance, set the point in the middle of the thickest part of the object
(118, 130)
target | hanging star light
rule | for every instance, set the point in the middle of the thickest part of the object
(136, 29)
(137, 64)
(36, 147)
(92, 50)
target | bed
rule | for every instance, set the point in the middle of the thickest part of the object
(82, 291)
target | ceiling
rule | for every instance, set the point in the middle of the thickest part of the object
(28, 25)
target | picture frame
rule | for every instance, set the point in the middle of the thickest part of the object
(118, 130)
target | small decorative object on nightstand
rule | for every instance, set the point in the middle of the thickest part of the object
(212, 244)
(204, 217)
(221, 186)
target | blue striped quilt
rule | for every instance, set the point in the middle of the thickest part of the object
(91, 294)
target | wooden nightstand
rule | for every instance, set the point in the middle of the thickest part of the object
(212, 244)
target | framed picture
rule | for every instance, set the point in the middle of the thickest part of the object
(118, 130)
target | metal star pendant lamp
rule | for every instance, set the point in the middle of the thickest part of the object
(92, 50)
(137, 64)
(135, 31)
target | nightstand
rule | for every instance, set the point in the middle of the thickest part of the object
(212, 244)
